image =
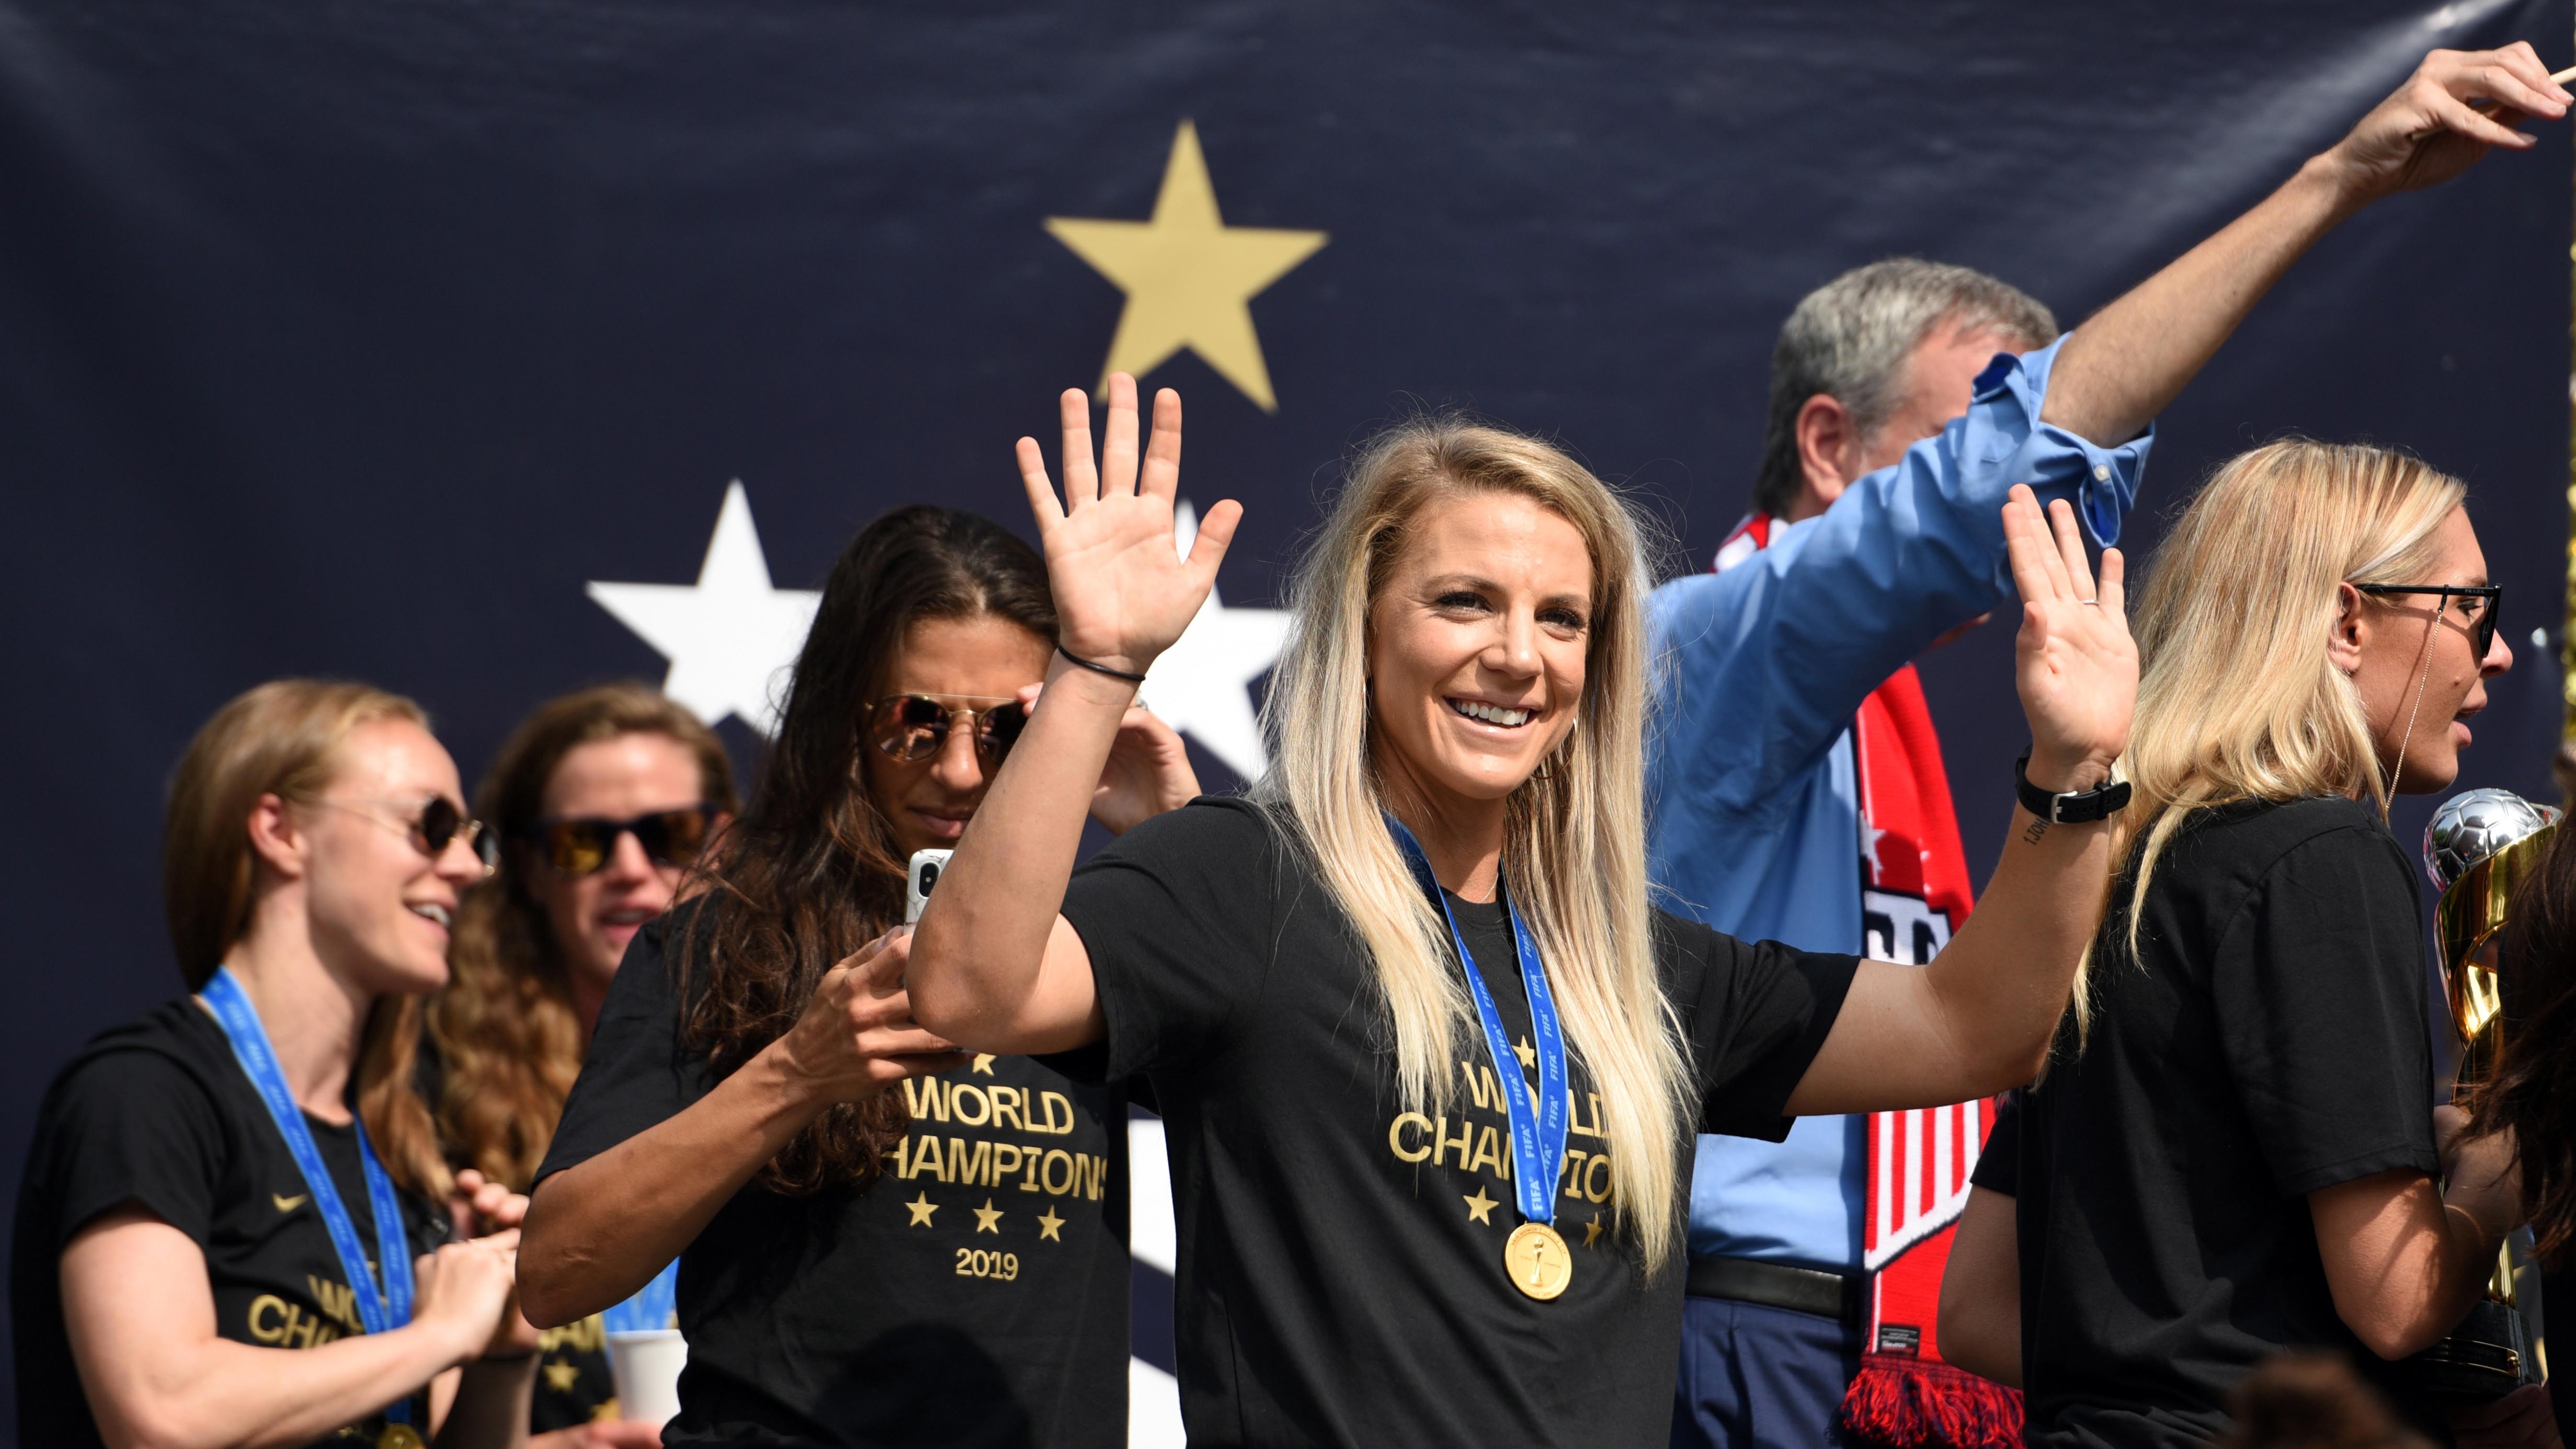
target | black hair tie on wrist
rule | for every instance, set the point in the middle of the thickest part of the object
(1099, 668)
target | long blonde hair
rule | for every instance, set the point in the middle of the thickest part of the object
(2237, 699)
(283, 738)
(1574, 852)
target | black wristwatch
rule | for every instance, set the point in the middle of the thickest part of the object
(2077, 807)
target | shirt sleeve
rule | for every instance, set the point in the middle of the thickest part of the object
(1783, 647)
(639, 1071)
(1755, 1017)
(2319, 995)
(134, 1127)
(1999, 1161)
(1176, 915)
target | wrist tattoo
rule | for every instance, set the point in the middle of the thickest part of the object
(2038, 828)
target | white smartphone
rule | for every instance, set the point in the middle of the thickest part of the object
(926, 866)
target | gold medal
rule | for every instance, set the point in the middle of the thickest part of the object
(399, 1436)
(1538, 1261)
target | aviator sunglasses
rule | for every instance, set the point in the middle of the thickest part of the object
(913, 727)
(438, 823)
(583, 845)
(2482, 624)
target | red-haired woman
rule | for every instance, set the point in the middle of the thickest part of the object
(603, 799)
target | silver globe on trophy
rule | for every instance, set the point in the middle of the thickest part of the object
(2480, 847)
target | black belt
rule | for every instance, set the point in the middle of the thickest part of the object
(1778, 1285)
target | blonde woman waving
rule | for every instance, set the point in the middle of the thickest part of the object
(1430, 1061)
(2234, 1150)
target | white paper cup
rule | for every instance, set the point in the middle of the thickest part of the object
(646, 1365)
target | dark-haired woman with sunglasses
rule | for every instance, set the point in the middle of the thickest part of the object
(941, 1261)
(603, 799)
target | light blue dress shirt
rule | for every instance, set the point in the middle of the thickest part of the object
(1753, 815)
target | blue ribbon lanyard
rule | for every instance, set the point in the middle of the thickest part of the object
(653, 1305)
(1538, 1133)
(379, 1312)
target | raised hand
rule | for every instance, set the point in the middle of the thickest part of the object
(2075, 664)
(2428, 131)
(1148, 772)
(1121, 594)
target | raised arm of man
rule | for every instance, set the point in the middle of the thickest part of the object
(1783, 649)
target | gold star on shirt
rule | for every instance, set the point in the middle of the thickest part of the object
(984, 1063)
(986, 1216)
(1189, 278)
(921, 1208)
(1480, 1205)
(1592, 1231)
(561, 1376)
(1527, 1053)
(1050, 1226)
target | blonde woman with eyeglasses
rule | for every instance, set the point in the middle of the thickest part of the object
(2234, 1149)
(1422, 1201)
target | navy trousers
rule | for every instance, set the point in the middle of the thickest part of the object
(1760, 1378)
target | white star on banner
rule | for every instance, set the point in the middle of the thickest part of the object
(1201, 685)
(1869, 838)
(730, 637)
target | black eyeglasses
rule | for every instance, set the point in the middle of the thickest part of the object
(584, 845)
(913, 727)
(438, 823)
(2482, 624)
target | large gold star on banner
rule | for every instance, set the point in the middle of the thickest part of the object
(1050, 1226)
(986, 1216)
(1480, 1205)
(921, 1208)
(1189, 278)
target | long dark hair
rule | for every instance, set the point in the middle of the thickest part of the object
(509, 1038)
(810, 872)
(2533, 1087)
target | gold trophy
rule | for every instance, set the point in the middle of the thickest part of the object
(2479, 848)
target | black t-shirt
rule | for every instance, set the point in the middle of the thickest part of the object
(574, 1384)
(2269, 1040)
(158, 1114)
(1341, 1276)
(974, 1295)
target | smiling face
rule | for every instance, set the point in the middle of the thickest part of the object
(2413, 658)
(1477, 645)
(593, 916)
(970, 663)
(377, 904)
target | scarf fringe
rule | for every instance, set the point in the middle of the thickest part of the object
(1898, 1402)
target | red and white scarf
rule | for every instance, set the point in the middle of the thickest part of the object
(1914, 894)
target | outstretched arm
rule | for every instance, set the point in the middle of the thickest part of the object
(994, 966)
(2123, 365)
(1979, 1018)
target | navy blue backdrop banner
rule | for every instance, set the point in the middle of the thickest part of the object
(482, 350)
